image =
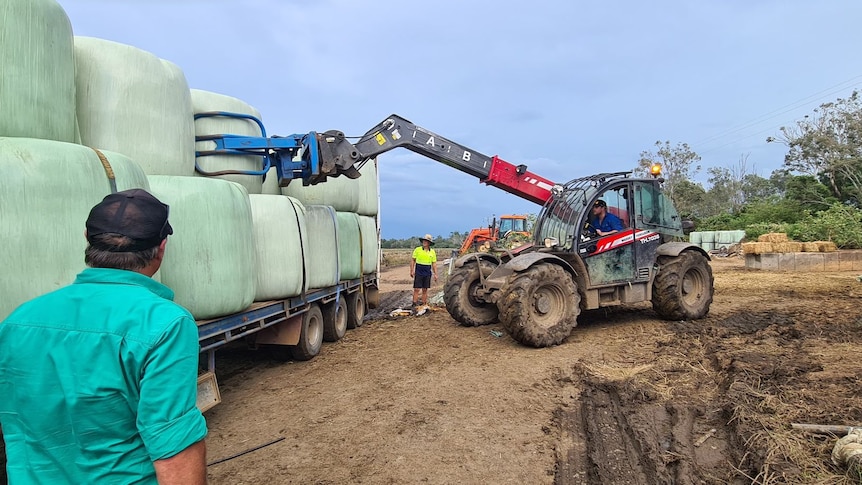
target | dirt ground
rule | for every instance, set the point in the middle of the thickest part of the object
(626, 399)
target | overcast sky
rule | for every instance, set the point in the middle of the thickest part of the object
(566, 87)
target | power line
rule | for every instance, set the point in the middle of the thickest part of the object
(825, 93)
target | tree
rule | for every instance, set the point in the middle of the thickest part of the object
(689, 200)
(828, 145)
(679, 163)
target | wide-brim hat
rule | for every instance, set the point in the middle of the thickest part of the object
(428, 238)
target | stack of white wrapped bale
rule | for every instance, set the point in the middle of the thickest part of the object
(48, 183)
(61, 95)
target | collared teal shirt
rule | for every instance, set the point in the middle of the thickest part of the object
(98, 380)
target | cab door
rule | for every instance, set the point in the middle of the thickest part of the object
(610, 259)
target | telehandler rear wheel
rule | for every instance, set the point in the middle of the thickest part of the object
(682, 289)
(355, 309)
(311, 336)
(335, 320)
(459, 295)
(540, 306)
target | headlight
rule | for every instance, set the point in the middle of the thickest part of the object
(551, 242)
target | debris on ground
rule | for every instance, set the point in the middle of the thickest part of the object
(848, 452)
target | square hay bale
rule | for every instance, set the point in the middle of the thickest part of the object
(773, 237)
(757, 248)
(827, 246)
(811, 247)
(787, 247)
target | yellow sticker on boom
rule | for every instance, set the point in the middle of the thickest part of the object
(380, 138)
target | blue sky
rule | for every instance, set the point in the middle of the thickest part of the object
(566, 87)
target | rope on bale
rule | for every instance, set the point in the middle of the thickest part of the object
(848, 452)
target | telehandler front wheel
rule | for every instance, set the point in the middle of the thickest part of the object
(460, 295)
(540, 306)
(683, 286)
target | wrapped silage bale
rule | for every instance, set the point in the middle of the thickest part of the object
(370, 244)
(204, 101)
(349, 245)
(209, 261)
(270, 184)
(37, 71)
(340, 192)
(132, 102)
(369, 194)
(47, 189)
(321, 223)
(281, 246)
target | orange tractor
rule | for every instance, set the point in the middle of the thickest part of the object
(511, 227)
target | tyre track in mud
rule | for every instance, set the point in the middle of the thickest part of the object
(756, 372)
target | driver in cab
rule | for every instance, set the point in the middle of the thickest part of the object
(603, 222)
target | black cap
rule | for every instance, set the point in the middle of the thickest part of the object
(133, 213)
(599, 203)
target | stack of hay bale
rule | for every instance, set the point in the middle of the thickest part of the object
(778, 242)
(84, 117)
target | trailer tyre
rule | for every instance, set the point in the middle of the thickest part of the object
(311, 336)
(460, 295)
(335, 320)
(355, 309)
(683, 286)
(539, 307)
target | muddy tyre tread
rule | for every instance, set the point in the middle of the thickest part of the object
(668, 298)
(311, 336)
(456, 295)
(335, 320)
(355, 309)
(517, 308)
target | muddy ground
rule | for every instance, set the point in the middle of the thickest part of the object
(626, 399)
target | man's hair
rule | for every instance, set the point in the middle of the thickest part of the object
(131, 260)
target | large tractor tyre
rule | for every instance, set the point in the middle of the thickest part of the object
(311, 336)
(335, 320)
(355, 309)
(682, 289)
(459, 295)
(540, 306)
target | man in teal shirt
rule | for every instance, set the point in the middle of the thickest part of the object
(98, 379)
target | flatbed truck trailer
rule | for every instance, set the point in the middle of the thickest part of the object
(294, 327)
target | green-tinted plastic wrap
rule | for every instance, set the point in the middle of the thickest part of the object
(37, 71)
(281, 246)
(321, 223)
(369, 195)
(204, 101)
(349, 246)
(132, 102)
(340, 192)
(370, 244)
(209, 261)
(47, 189)
(270, 184)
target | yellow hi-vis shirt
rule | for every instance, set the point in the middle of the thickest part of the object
(424, 257)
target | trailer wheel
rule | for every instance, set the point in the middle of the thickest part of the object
(355, 309)
(459, 295)
(683, 286)
(335, 320)
(311, 336)
(539, 307)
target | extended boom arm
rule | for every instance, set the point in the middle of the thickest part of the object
(396, 131)
(313, 157)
